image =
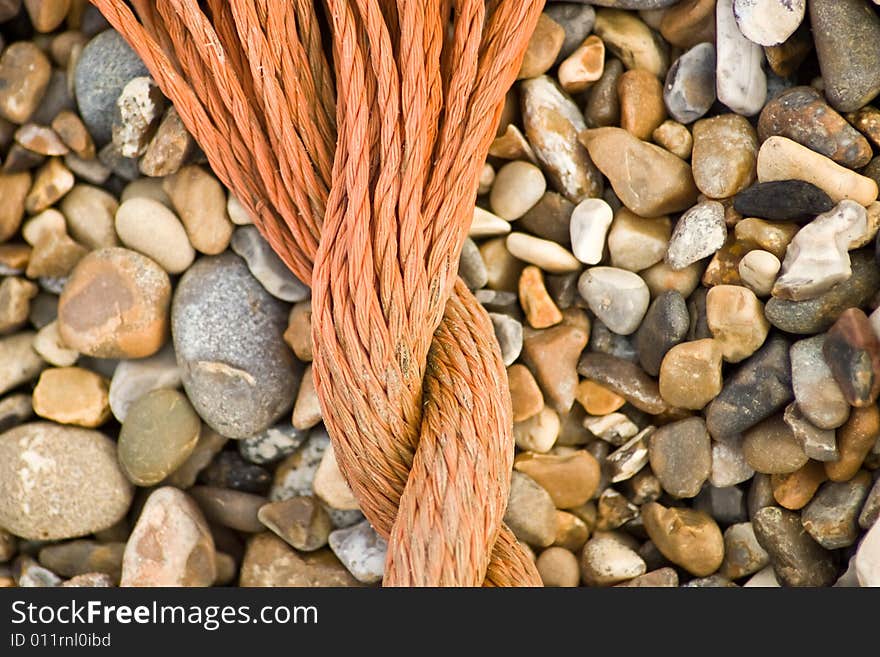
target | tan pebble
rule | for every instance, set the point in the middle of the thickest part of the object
(487, 179)
(115, 305)
(689, 22)
(24, 76)
(571, 531)
(597, 399)
(298, 334)
(307, 409)
(549, 256)
(758, 270)
(14, 188)
(89, 213)
(200, 202)
(238, 214)
(770, 447)
(558, 567)
(630, 39)
(47, 15)
(539, 432)
(330, 486)
(301, 521)
(55, 254)
(736, 319)
(724, 155)
(542, 49)
(15, 297)
(171, 521)
(636, 243)
(723, 268)
(690, 374)
(795, 489)
(150, 188)
(486, 224)
(783, 159)
(541, 312)
(571, 480)
(641, 103)
(502, 267)
(269, 561)
(72, 395)
(511, 145)
(855, 439)
(15, 256)
(73, 132)
(51, 347)
(64, 44)
(525, 395)
(662, 277)
(530, 512)
(40, 139)
(52, 182)
(518, 186)
(675, 138)
(148, 227)
(169, 148)
(583, 67)
(45, 223)
(688, 538)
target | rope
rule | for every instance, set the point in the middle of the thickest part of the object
(362, 177)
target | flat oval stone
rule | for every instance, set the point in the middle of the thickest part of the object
(690, 84)
(619, 298)
(151, 228)
(818, 396)
(770, 447)
(852, 351)
(681, 456)
(801, 114)
(59, 482)
(664, 326)
(740, 80)
(235, 366)
(757, 389)
(782, 200)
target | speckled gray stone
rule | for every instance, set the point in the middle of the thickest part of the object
(106, 65)
(272, 444)
(509, 334)
(237, 370)
(690, 84)
(266, 266)
(576, 19)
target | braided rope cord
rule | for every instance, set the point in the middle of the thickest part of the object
(362, 178)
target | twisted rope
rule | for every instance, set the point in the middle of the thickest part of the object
(363, 181)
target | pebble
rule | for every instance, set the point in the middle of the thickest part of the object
(614, 428)
(818, 444)
(200, 203)
(471, 268)
(14, 187)
(331, 487)
(576, 20)
(852, 351)
(867, 559)
(539, 308)
(770, 447)
(603, 105)
(689, 22)
(629, 459)
(52, 181)
(680, 454)
(699, 233)
(547, 255)
(525, 395)
(307, 407)
(688, 538)
(867, 121)
(115, 305)
(570, 480)
(758, 388)
(148, 227)
(649, 180)
(511, 144)
(19, 363)
(552, 123)
(743, 555)
(815, 315)
(662, 577)
(690, 374)
(619, 298)
(768, 22)
(89, 213)
(636, 243)
(736, 319)
(843, 31)
(796, 558)
(854, 440)
(689, 91)
(72, 395)
(571, 531)
(106, 65)
(632, 41)
(269, 561)
(29, 574)
(590, 221)
(550, 218)
(171, 544)
(301, 521)
(740, 80)
(625, 378)
(729, 465)
(724, 155)
(539, 432)
(583, 67)
(15, 296)
(24, 77)
(229, 470)
(138, 110)
(208, 446)
(758, 270)
(794, 490)
(604, 341)
(509, 334)
(871, 509)
(59, 482)
(134, 378)
(150, 188)
(299, 330)
(801, 114)
(169, 148)
(765, 578)
(641, 103)
(552, 356)
(531, 514)
(159, 433)
(237, 371)
(82, 557)
(361, 550)
(783, 200)
(294, 475)
(15, 409)
(266, 266)
(229, 508)
(831, 518)
(665, 325)
(543, 47)
(818, 258)
(558, 567)
(780, 158)
(40, 139)
(606, 561)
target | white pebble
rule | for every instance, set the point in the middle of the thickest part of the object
(619, 298)
(699, 233)
(486, 224)
(739, 77)
(589, 226)
(361, 550)
(237, 212)
(768, 22)
(547, 255)
(758, 270)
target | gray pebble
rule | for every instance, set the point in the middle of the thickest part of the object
(690, 84)
(681, 456)
(471, 267)
(664, 326)
(727, 506)
(576, 19)
(831, 517)
(272, 444)
(509, 333)
(266, 266)
(797, 559)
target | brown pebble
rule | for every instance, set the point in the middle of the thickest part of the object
(299, 330)
(795, 489)
(570, 480)
(14, 189)
(15, 256)
(15, 297)
(269, 561)
(301, 521)
(772, 236)
(724, 155)
(688, 538)
(541, 312)
(525, 395)
(597, 399)
(47, 15)
(603, 107)
(852, 351)
(854, 440)
(51, 183)
(558, 567)
(641, 103)
(662, 577)
(169, 148)
(230, 508)
(115, 305)
(771, 447)
(786, 58)
(689, 22)
(40, 139)
(24, 77)
(74, 134)
(690, 374)
(675, 138)
(543, 48)
(571, 531)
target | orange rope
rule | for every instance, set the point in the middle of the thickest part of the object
(363, 180)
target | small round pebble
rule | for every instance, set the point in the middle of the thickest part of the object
(619, 298)
(518, 186)
(149, 227)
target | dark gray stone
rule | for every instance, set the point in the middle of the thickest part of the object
(549, 218)
(680, 454)
(796, 558)
(605, 341)
(230, 470)
(576, 19)
(782, 200)
(831, 517)
(664, 326)
(726, 505)
(690, 84)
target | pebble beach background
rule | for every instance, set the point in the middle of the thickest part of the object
(674, 237)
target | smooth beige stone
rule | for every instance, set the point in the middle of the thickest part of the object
(549, 256)
(583, 67)
(736, 319)
(72, 395)
(690, 374)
